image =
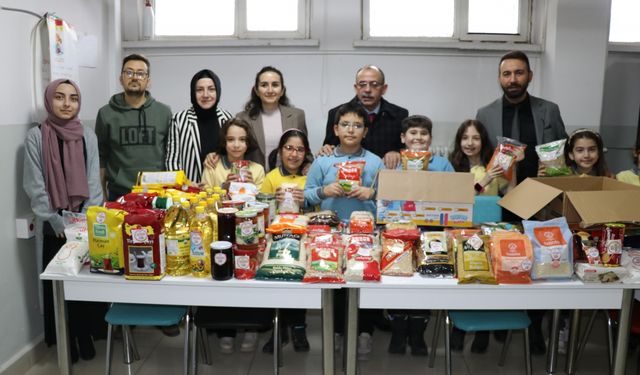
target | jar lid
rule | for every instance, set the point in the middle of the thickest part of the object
(227, 210)
(221, 245)
(265, 196)
(256, 204)
(246, 213)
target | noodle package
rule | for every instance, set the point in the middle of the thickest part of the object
(552, 248)
(507, 153)
(363, 258)
(350, 174)
(511, 257)
(434, 258)
(551, 155)
(473, 260)
(413, 160)
(397, 252)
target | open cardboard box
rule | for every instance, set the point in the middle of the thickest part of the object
(426, 198)
(582, 200)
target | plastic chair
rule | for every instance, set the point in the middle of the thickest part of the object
(128, 314)
(489, 320)
(216, 318)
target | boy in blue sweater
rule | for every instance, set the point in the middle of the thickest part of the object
(416, 135)
(322, 186)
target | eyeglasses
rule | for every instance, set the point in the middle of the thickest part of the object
(352, 125)
(289, 148)
(138, 74)
(372, 84)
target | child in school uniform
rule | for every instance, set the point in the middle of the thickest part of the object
(584, 154)
(323, 189)
(632, 176)
(416, 136)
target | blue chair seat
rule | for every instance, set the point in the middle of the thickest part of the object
(489, 320)
(144, 315)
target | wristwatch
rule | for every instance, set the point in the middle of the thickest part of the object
(479, 188)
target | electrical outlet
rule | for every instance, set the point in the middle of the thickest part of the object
(26, 226)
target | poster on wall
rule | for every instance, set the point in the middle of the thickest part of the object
(59, 50)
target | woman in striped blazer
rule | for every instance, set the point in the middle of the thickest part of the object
(194, 132)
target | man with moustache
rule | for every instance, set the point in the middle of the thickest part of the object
(132, 130)
(518, 115)
(532, 121)
(383, 136)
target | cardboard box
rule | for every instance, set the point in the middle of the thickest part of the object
(426, 198)
(582, 200)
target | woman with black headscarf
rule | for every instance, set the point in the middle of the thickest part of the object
(194, 132)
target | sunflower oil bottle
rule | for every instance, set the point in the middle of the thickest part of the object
(213, 216)
(176, 226)
(201, 238)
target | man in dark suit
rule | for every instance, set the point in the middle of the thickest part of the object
(383, 136)
(519, 115)
(530, 120)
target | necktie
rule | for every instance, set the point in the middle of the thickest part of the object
(372, 117)
(515, 127)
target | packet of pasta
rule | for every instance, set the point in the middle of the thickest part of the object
(473, 260)
(511, 257)
(552, 248)
(397, 251)
(350, 174)
(434, 258)
(162, 179)
(507, 153)
(414, 160)
(551, 155)
(361, 222)
(363, 258)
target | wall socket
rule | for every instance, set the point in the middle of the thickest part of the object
(26, 227)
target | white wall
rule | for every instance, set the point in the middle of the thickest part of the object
(20, 320)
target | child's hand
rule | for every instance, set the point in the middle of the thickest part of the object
(391, 159)
(298, 195)
(494, 172)
(326, 150)
(362, 193)
(542, 170)
(247, 176)
(333, 190)
(232, 177)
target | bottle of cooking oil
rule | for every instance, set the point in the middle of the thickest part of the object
(177, 238)
(201, 237)
(213, 216)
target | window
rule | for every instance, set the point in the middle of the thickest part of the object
(447, 20)
(624, 26)
(231, 18)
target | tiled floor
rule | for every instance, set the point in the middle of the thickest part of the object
(163, 355)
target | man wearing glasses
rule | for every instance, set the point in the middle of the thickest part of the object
(383, 137)
(132, 130)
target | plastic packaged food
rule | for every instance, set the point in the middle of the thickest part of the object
(284, 258)
(144, 246)
(551, 155)
(241, 168)
(350, 174)
(69, 259)
(610, 243)
(242, 191)
(552, 248)
(363, 258)
(631, 262)
(511, 257)
(162, 179)
(434, 259)
(473, 265)
(400, 224)
(324, 264)
(414, 160)
(588, 248)
(75, 226)
(397, 252)
(292, 222)
(361, 222)
(288, 205)
(329, 218)
(452, 241)
(506, 154)
(105, 239)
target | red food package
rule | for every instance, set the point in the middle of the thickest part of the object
(507, 153)
(363, 258)
(350, 174)
(361, 222)
(324, 264)
(245, 263)
(241, 168)
(144, 248)
(140, 200)
(397, 251)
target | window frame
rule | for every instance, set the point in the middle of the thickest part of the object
(460, 28)
(240, 27)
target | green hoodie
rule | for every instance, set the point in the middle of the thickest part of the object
(131, 140)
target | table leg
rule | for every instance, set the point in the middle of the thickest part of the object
(277, 338)
(624, 327)
(328, 363)
(552, 355)
(62, 329)
(574, 332)
(351, 358)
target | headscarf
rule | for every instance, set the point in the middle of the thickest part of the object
(206, 115)
(67, 186)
